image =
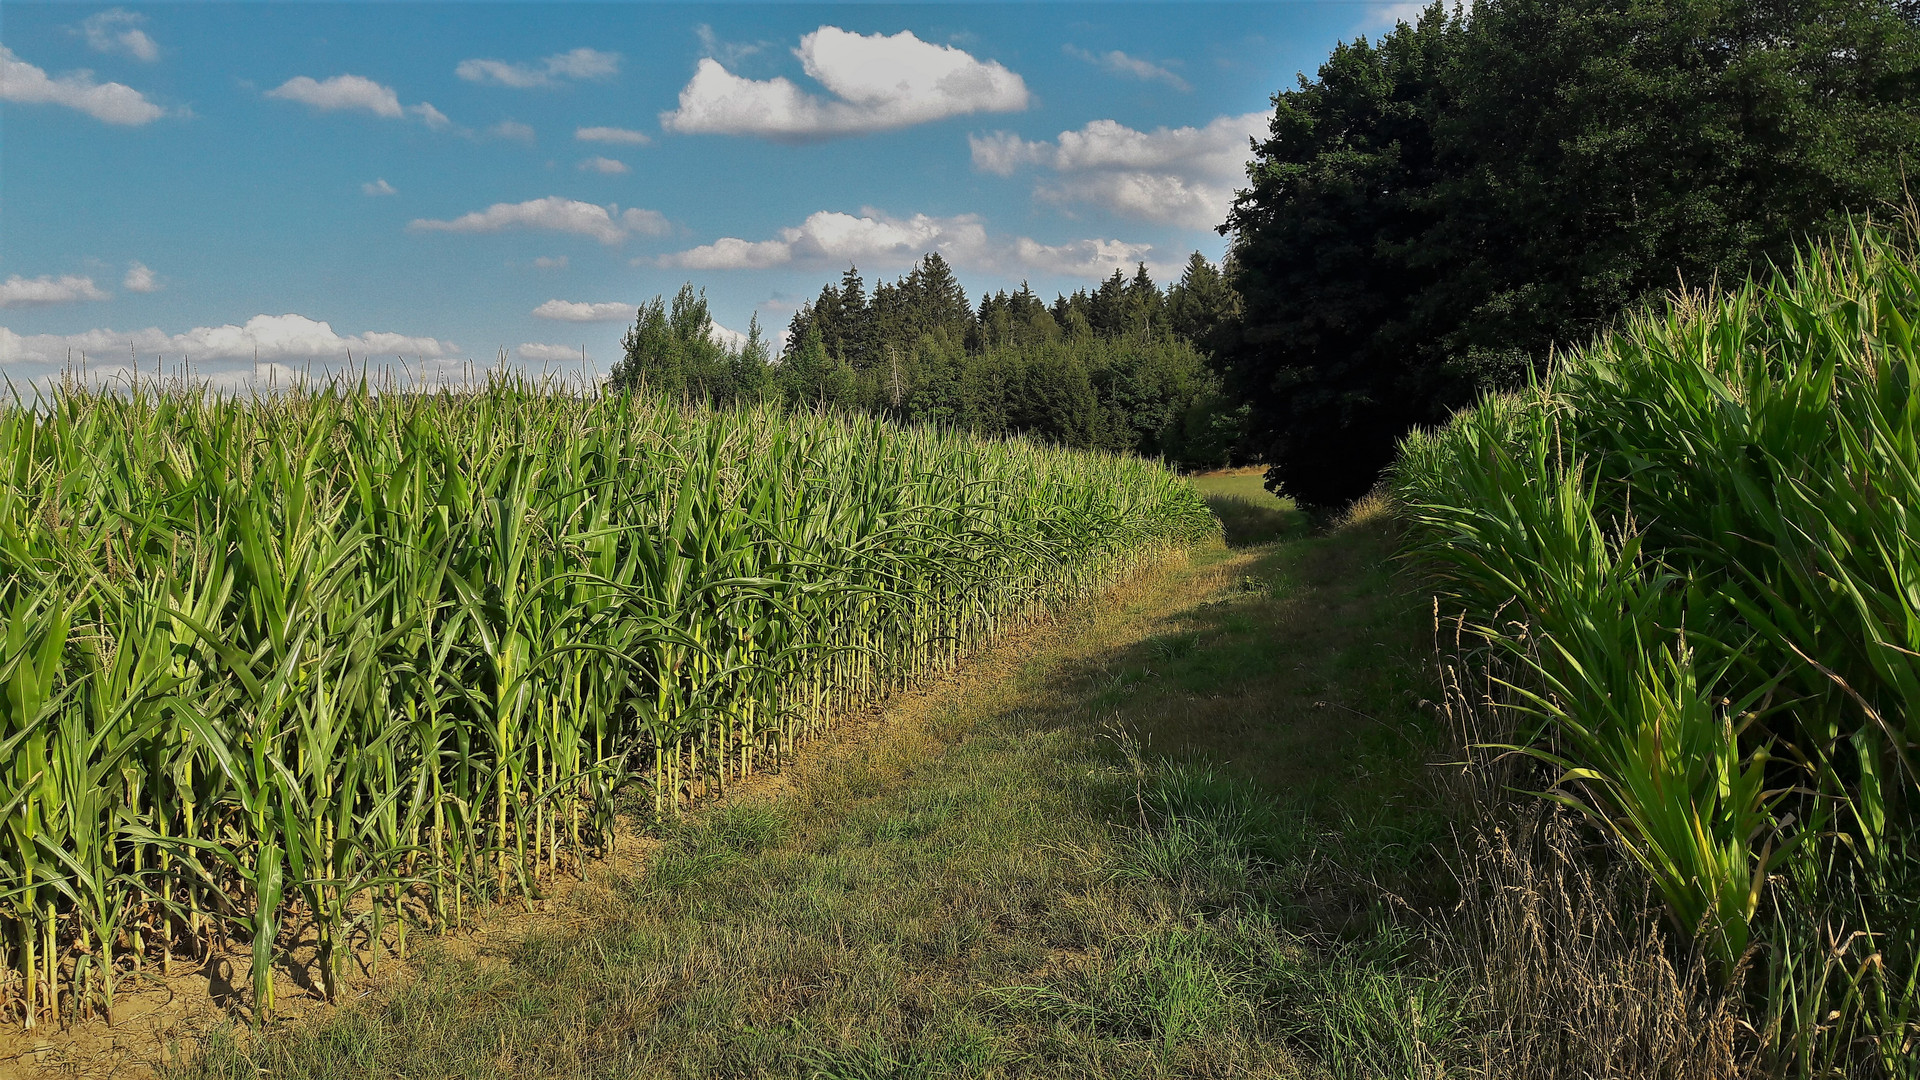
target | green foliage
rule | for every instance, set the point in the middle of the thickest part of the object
(1695, 544)
(1102, 369)
(672, 351)
(1099, 370)
(357, 658)
(1437, 210)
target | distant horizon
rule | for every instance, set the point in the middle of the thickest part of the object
(444, 182)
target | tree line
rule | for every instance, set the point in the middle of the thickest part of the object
(1120, 367)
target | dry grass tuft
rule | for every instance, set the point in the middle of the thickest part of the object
(1576, 970)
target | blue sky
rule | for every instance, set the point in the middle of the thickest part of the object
(441, 182)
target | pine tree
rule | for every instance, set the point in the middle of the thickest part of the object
(1202, 306)
(751, 374)
(858, 342)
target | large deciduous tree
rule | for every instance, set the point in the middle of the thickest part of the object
(1437, 210)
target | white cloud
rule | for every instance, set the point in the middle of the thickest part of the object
(828, 236)
(877, 82)
(1003, 153)
(429, 115)
(727, 52)
(118, 31)
(1219, 149)
(605, 165)
(550, 71)
(1179, 176)
(732, 253)
(341, 92)
(1119, 63)
(379, 187)
(617, 136)
(112, 103)
(355, 92)
(607, 224)
(512, 129)
(535, 352)
(274, 338)
(1147, 196)
(725, 338)
(1081, 258)
(576, 311)
(550, 262)
(877, 240)
(47, 290)
(584, 64)
(647, 222)
(1388, 15)
(140, 279)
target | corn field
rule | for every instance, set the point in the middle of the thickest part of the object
(350, 662)
(1695, 551)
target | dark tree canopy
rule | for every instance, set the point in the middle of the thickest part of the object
(1437, 210)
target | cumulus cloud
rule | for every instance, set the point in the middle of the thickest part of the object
(725, 338)
(549, 71)
(831, 238)
(379, 187)
(1178, 176)
(876, 82)
(512, 129)
(48, 290)
(604, 165)
(1119, 63)
(534, 352)
(614, 135)
(354, 93)
(576, 311)
(275, 339)
(111, 103)
(1003, 153)
(118, 31)
(1080, 258)
(607, 224)
(140, 279)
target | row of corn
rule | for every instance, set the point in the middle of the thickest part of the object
(1696, 547)
(321, 667)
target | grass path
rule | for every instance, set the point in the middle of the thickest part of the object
(1150, 838)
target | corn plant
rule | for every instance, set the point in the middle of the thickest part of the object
(1695, 546)
(345, 663)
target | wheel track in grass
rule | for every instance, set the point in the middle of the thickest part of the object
(157, 1017)
(878, 953)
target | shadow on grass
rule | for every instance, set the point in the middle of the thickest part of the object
(1158, 855)
(1249, 524)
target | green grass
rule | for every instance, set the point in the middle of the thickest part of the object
(1149, 840)
(1250, 514)
(1240, 484)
